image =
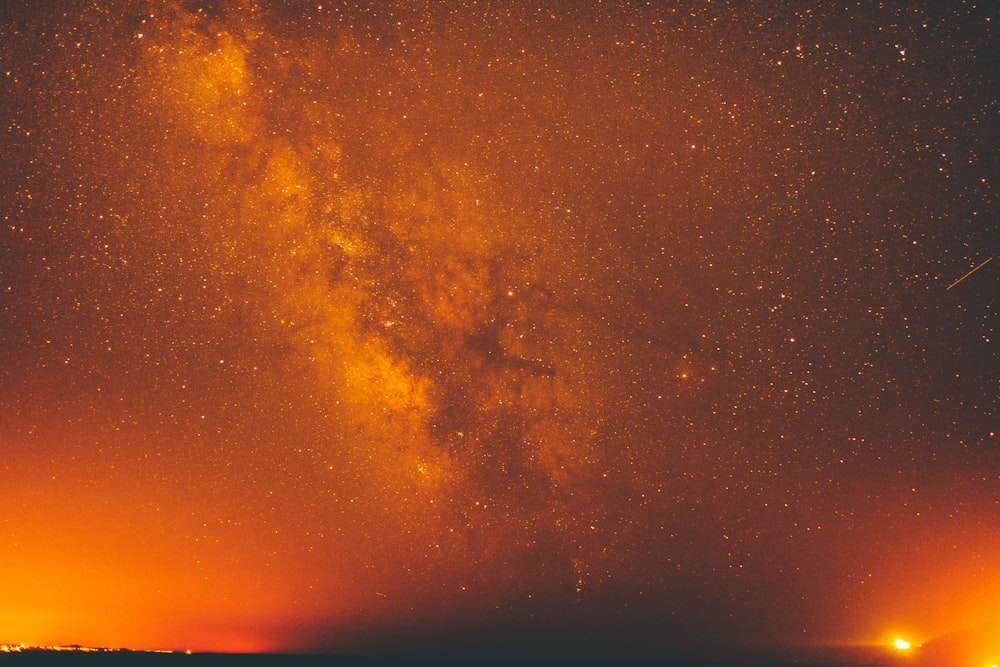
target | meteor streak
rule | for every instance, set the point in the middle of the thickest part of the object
(969, 273)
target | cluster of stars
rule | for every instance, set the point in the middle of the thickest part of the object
(420, 317)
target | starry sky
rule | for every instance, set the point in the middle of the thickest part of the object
(546, 328)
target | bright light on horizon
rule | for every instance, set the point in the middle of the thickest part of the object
(901, 644)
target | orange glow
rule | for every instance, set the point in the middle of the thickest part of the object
(320, 321)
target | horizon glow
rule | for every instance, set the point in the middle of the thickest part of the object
(629, 329)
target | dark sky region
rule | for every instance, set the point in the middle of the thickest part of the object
(540, 328)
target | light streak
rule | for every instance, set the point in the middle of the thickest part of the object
(969, 273)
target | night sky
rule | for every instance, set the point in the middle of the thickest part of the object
(540, 328)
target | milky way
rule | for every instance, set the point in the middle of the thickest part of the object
(552, 328)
